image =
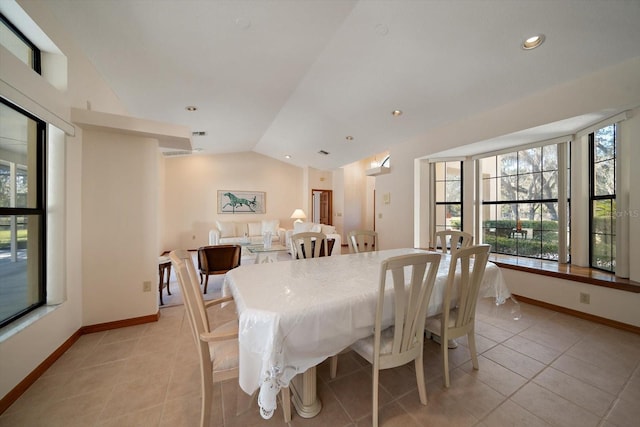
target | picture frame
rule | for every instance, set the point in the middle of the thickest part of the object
(241, 202)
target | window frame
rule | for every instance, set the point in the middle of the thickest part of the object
(35, 51)
(593, 198)
(39, 212)
(447, 203)
(517, 201)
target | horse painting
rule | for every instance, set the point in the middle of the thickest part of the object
(237, 202)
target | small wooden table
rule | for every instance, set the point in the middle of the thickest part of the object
(164, 265)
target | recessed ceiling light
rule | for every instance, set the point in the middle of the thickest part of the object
(396, 113)
(287, 156)
(191, 108)
(349, 138)
(533, 42)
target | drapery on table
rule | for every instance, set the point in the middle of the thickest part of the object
(295, 314)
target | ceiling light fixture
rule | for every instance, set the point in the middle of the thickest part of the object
(396, 113)
(533, 42)
(349, 138)
(287, 156)
(191, 108)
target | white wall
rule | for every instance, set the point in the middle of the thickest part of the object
(21, 353)
(191, 191)
(609, 303)
(119, 226)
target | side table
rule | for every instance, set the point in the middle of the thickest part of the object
(164, 266)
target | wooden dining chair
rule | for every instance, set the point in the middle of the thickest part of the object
(362, 241)
(218, 348)
(459, 320)
(402, 342)
(449, 241)
(310, 245)
(217, 259)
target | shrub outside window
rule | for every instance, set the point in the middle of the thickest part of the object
(520, 202)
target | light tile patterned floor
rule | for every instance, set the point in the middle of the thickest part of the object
(546, 369)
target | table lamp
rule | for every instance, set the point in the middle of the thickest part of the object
(299, 215)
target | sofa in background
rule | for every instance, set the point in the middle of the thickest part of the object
(328, 230)
(229, 232)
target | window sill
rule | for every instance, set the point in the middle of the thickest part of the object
(24, 322)
(565, 271)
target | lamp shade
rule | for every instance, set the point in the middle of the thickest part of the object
(298, 214)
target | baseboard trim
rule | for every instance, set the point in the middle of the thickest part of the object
(100, 327)
(28, 381)
(23, 385)
(580, 314)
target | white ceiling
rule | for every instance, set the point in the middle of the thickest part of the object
(295, 77)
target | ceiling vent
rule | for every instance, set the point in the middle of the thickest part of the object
(177, 153)
(324, 153)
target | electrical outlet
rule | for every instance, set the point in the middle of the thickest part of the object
(146, 286)
(585, 298)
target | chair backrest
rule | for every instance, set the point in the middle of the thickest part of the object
(410, 304)
(449, 241)
(362, 241)
(218, 259)
(310, 244)
(473, 261)
(193, 300)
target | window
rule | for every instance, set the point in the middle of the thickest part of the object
(15, 42)
(448, 195)
(520, 202)
(22, 213)
(602, 160)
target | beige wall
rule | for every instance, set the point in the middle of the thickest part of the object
(191, 189)
(119, 226)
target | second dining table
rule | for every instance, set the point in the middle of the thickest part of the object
(295, 314)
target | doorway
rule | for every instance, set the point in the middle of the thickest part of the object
(322, 206)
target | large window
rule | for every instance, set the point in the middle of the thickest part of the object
(22, 213)
(520, 208)
(602, 150)
(448, 195)
(15, 42)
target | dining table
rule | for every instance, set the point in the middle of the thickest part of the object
(295, 314)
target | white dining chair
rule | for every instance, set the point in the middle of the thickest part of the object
(218, 348)
(310, 245)
(362, 241)
(459, 320)
(449, 241)
(402, 342)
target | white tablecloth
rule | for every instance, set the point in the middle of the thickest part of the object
(295, 314)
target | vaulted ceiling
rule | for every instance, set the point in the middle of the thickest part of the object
(296, 77)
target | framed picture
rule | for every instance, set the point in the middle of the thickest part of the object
(235, 202)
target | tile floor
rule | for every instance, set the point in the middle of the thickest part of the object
(545, 369)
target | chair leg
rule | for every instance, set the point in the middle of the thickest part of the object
(445, 360)
(333, 366)
(471, 337)
(422, 388)
(206, 282)
(207, 398)
(286, 404)
(374, 414)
